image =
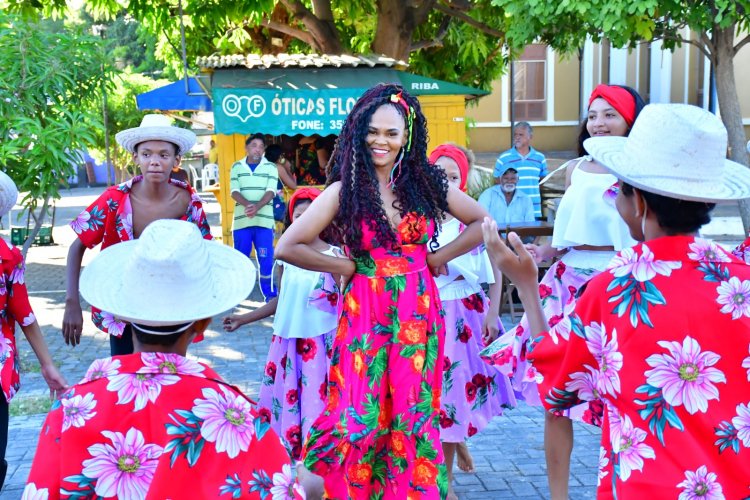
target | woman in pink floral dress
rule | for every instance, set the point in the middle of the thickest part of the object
(379, 434)
(293, 389)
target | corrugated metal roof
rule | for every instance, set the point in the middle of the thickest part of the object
(297, 61)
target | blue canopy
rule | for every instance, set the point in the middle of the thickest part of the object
(173, 97)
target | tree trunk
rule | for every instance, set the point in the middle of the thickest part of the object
(325, 36)
(39, 221)
(397, 20)
(729, 104)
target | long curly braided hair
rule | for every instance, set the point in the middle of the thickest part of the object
(419, 187)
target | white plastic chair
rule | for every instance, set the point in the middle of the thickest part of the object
(196, 179)
(209, 173)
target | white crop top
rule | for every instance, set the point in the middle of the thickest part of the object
(307, 304)
(474, 266)
(585, 218)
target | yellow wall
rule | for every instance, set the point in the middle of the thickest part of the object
(231, 148)
(446, 119)
(487, 108)
(677, 87)
(557, 138)
(741, 77)
(566, 89)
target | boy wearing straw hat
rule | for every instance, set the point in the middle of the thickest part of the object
(122, 212)
(15, 307)
(155, 424)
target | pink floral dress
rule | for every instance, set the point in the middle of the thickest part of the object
(109, 220)
(14, 307)
(379, 435)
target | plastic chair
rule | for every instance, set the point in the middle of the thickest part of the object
(209, 173)
(196, 179)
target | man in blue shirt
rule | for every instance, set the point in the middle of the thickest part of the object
(527, 161)
(507, 204)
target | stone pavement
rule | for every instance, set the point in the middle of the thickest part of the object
(509, 454)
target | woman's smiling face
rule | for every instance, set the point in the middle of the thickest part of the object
(386, 135)
(603, 120)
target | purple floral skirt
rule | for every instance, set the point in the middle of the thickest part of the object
(293, 390)
(507, 354)
(473, 392)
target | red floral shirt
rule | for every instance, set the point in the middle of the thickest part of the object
(109, 220)
(662, 339)
(14, 307)
(158, 425)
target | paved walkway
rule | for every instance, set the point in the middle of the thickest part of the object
(508, 454)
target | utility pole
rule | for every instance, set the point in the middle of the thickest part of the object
(100, 29)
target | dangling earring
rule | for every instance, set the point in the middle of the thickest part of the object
(392, 178)
(643, 221)
(354, 168)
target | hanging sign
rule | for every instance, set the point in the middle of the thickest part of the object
(276, 112)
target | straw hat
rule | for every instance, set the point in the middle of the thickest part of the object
(156, 128)
(170, 275)
(675, 150)
(8, 193)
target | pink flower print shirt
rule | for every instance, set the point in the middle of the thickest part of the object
(663, 339)
(158, 425)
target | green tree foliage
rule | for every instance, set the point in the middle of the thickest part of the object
(457, 40)
(51, 76)
(129, 45)
(123, 112)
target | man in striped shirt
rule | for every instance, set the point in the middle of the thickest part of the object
(527, 161)
(252, 185)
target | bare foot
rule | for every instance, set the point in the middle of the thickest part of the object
(311, 483)
(464, 461)
(451, 494)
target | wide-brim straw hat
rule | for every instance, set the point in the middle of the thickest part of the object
(674, 150)
(168, 276)
(8, 194)
(156, 127)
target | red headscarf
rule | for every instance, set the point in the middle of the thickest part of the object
(303, 193)
(617, 97)
(455, 154)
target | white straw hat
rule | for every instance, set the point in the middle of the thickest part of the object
(156, 127)
(8, 193)
(170, 275)
(674, 150)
